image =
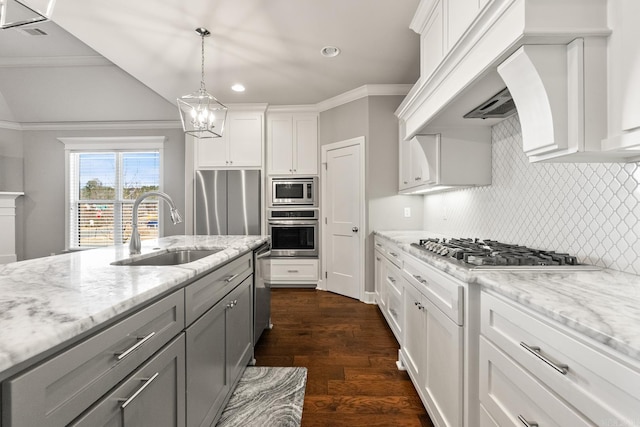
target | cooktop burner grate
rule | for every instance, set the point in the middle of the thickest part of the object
(492, 255)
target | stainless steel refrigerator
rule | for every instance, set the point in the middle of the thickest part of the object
(227, 202)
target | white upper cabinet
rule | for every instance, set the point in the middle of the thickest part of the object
(432, 42)
(451, 158)
(624, 84)
(240, 145)
(292, 144)
(460, 14)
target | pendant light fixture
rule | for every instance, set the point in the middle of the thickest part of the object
(14, 13)
(201, 113)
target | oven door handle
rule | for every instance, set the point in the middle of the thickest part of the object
(293, 222)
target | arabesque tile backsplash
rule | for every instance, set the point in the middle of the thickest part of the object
(590, 210)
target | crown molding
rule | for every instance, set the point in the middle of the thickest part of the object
(363, 92)
(54, 61)
(10, 125)
(144, 125)
(312, 109)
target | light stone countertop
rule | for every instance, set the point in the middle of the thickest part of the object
(49, 302)
(603, 305)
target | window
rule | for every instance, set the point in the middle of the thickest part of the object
(103, 185)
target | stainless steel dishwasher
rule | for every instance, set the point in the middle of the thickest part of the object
(262, 293)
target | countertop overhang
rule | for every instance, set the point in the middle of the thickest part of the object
(603, 305)
(49, 303)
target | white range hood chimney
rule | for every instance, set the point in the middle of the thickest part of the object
(550, 56)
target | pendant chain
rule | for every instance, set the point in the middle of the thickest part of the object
(202, 88)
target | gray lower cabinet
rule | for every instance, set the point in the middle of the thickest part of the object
(153, 396)
(218, 347)
(57, 391)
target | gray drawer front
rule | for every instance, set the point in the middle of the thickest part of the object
(153, 396)
(204, 293)
(57, 391)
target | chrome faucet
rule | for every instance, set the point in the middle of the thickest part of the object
(134, 242)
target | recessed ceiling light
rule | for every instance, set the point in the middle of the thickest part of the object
(330, 51)
(237, 87)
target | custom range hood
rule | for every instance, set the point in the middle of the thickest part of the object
(544, 60)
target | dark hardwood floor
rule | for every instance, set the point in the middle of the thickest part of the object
(350, 353)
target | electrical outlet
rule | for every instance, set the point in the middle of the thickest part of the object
(407, 212)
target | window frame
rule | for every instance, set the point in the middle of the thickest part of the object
(108, 144)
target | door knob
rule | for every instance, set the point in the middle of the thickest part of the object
(354, 229)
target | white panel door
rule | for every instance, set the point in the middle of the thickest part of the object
(343, 207)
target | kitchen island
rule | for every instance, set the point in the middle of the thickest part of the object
(51, 307)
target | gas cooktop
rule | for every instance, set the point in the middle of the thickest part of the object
(491, 254)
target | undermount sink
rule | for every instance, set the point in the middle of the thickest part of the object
(172, 257)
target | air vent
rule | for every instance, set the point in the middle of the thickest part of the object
(499, 106)
(33, 31)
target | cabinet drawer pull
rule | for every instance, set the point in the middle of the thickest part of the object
(379, 245)
(527, 423)
(230, 278)
(147, 382)
(560, 367)
(419, 279)
(293, 271)
(377, 258)
(134, 347)
(391, 279)
(393, 254)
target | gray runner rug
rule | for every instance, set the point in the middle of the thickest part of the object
(266, 397)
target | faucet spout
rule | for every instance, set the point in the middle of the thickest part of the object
(134, 242)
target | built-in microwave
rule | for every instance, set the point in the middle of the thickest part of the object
(294, 191)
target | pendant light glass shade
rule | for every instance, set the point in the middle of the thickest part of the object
(201, 113)
(14, 13)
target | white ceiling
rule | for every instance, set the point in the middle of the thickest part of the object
(270, 46)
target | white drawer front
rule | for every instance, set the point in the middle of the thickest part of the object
(444, 292)
(389, 250)
(512, 397)
(605, 390)
(283, 270)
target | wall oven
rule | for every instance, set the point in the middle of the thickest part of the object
(294, 191)
(294, 232)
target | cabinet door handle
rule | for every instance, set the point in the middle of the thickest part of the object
(417, 178)
(134, 347)
(232, 303)
(527, 423)
(560, 367)
(147, 382)
(230, 278)
(377, 258)
(419, 279)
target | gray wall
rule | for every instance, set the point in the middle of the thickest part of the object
(44, 180)
(373, 117)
